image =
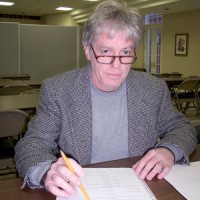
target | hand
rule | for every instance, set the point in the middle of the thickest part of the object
(156, 161)
(60, 181)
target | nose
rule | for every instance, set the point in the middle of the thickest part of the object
(116, 63)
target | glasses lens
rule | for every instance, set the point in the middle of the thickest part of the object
(105, 59)
(127, 59)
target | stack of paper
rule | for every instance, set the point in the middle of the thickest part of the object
(113, 183)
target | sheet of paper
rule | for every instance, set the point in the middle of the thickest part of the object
(113, 183)
(186, 179)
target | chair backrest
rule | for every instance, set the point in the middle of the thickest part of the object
(14, 89)
(13, 122)
(196, 124)
(189, 85)
(33, 91)
(4, 80)
(198, 92)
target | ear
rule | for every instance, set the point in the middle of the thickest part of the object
(87, 52)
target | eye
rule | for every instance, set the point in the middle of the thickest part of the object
(127, 52)
(105, 51)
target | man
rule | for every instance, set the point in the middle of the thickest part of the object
(104, 111)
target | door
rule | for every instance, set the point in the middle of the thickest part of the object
(152, 48)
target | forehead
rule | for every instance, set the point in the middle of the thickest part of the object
(113, 39)
(111, 30)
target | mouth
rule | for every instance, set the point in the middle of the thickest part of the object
(114, 75)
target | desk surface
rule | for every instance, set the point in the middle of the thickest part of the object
(10, 189)
(21, 82)
(27, 101)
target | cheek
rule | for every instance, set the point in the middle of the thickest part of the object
(126, 71)
(97, 70)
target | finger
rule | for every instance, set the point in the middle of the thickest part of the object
(55, 190)
(158, 168)
(139, 167)
(59, 187)
(77, 168)
(67, 175)
(164, 172)
(135, 165)
(146, 170)
(62, 169)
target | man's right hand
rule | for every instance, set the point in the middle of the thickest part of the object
(60, 181)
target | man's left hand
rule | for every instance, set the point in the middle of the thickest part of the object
(156, 161)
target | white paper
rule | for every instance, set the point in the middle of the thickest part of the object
(112, 183)
(186, 179)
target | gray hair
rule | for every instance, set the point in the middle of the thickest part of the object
(112, 17)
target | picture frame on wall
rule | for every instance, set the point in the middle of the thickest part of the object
(181, 44)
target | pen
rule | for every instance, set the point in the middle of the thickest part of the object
(72, 170)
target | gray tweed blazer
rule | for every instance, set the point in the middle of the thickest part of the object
(64, 120)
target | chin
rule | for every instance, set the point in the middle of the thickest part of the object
(113, 87)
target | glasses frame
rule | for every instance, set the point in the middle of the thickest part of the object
(113, 58)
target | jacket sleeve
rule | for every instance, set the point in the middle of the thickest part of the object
(39, 143)
(174, 127)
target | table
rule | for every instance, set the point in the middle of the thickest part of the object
(172, 81)
(28, 101)
(10, 189)
(32, 83)
(16, 76)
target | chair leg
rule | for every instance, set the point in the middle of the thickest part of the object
(17, 174)
(186, 106)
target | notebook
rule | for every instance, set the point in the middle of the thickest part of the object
(112, 183)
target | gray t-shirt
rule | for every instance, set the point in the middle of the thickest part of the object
(110, 124)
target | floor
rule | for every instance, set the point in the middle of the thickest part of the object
(191, 114)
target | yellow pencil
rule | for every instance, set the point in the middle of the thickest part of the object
(72, 170)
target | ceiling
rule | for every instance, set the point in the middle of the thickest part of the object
(82, 8)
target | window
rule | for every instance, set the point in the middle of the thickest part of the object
(152, 40)
(153, 19)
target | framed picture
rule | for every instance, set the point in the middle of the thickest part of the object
(181, 44)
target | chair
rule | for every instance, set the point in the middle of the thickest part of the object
(4, 80)
(176, 74)
(13, 124)
(31, 112)
(198, 97)
(14, 89)
(32, 91)
(186, 94)
(165, 75)
(196, 124)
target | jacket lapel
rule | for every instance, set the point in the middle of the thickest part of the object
(138, 117)
(81, 118)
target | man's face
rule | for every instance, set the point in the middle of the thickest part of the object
(108, 77)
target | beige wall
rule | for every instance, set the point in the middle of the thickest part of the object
(21, 21)
(53, 19)
(58, 19)
(185, 22)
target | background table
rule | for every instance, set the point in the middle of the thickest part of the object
(16, 76)
(32, 83)
(172, 81)
(27, 101)
(10, 189)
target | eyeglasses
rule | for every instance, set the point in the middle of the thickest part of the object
(110, 59)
